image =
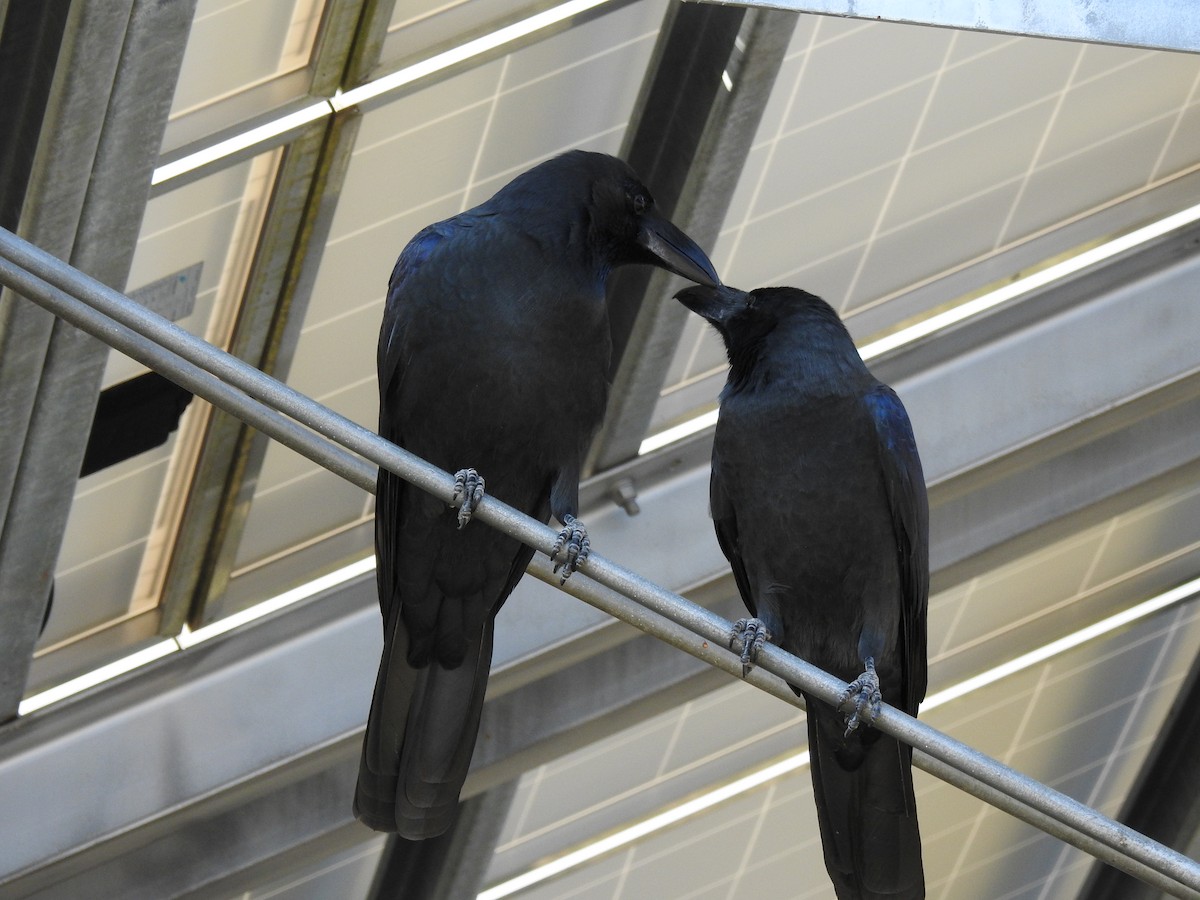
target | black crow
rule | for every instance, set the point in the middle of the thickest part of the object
(819, 503)
(493, 353)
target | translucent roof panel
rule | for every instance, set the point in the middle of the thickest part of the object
(123, 517)
(890, 155)
(1077, 721)
(234, 45)
(244, 58)
(419, 28)
(418, 159)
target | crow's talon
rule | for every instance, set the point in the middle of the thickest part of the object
(752, 633)
(573, 544)
(865, 696)
(468, 485)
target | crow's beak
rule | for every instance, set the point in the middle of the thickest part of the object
(675, 251)
(716, 303)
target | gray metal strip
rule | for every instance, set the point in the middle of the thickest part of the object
(52, 203)
(116, 77)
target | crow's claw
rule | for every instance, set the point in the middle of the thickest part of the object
(863, 693)
(752, 634)
(468, 485)
(573, 544)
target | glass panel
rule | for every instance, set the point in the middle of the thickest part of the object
(437, 151)
(235, 45)
(244, 58)
(419, 28)
(979, 143)
(123, 517)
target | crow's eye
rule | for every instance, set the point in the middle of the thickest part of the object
(639, 203)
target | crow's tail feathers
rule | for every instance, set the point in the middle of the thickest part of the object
(420, 736)
(865, 808)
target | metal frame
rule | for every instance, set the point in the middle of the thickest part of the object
(266, 334)
(89, 185)
(689, 138)
(1161, 24)
(630, 597)
(293, 235)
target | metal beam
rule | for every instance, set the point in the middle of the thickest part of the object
(1162, 24)
(452, 865)
(112, 92)
(1164, 802)
(290, 782)
(706, 87)
(266, 333)
(29, 42)
(271, 314)
(48, 212)
(259, 839)
(303, 758)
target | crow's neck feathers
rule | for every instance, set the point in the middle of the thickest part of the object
(801, 347)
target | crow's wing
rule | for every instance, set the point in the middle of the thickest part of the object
(390, 359)
(725, 523)
(905, 482)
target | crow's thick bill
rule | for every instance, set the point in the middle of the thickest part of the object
(493, 354)
(819, 503)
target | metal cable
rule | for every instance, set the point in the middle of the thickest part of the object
(261, 401)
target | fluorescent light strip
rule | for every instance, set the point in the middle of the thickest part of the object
(188, 638)
(1031, 282)
(678, 432)
(97, 676)
(242, 141)
(966, 310)
(648, 826)
(1063, 644)
(344, 100)
(466, 51)
(792, 763)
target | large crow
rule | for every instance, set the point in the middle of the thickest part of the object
(493, 353)
(819, 503)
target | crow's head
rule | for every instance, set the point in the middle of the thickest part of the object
(612, 215)
(745, 320)
(740, 314)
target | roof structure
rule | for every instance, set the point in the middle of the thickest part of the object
(1005, 212)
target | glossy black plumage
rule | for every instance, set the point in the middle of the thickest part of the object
(818, 500)
(493, 354)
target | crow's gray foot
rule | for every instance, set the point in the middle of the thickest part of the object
(573, 544)
(752, 633)
(468, 485)
(864, 694)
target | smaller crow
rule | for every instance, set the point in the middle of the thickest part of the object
(819, 503)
